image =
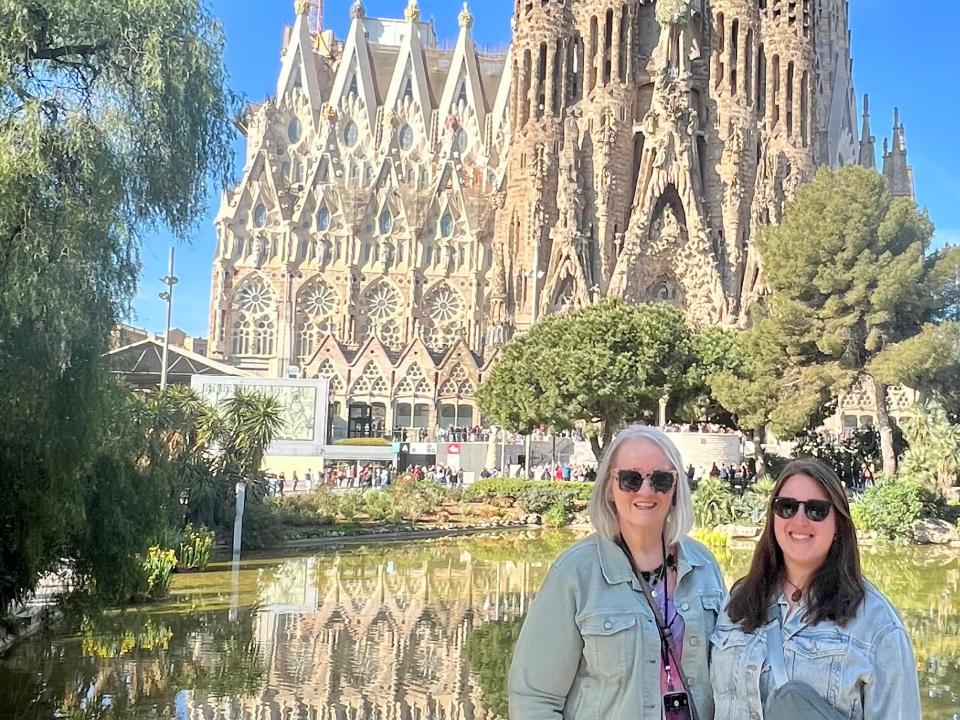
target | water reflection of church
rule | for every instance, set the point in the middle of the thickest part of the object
(350, 637)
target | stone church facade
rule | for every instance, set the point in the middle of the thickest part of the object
(406, 207)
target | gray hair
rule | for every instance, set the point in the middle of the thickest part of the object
(603, 513)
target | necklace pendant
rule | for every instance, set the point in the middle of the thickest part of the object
(797, 594)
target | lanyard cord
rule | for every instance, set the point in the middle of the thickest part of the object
(662, 577)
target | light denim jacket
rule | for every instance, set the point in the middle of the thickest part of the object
(589, 648)
(866, 669)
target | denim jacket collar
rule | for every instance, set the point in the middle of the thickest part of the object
(616, 568)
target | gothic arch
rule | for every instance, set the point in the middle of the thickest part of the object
(253, 330)
(414, 384)
(327, 371)
(370, 382)
(442, 316)
(564, 295)
(316, 307)
(458, 383)
(380, 310)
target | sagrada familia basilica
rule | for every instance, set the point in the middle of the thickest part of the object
(406, 206)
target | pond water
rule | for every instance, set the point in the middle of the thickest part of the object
(412, 630)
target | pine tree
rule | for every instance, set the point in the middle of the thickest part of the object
(857, 292)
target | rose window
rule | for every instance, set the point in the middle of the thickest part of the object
(254, 297)
(320, 301)
(443, 305)
(381, 302)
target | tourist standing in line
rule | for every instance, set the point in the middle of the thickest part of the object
(804, 625)
(308, 480)
(620, 628)
(295, 480)
(281, 481)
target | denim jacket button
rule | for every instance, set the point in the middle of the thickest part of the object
(685, 606)
(694, 641)
(607, 625)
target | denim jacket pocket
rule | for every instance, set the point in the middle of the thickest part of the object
(609, 643)
(728, 649)
(819, 645)
(818, 661)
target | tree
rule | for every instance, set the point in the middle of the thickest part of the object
(204, 451)
(113, 116)
(772, 386)
(933, 457)
(853, 283)
(607, 365)
(717, 350)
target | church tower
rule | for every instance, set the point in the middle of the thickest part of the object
(546, 60)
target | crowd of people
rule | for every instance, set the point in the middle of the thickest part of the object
(476, 433)
(700, 427)
(346, 475)
(562, 472)
(455, 433)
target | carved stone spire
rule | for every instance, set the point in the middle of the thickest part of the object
(868, 143)
(357, 10)
(302, 7)
(466, 17)
(412, 13)
(896, 167)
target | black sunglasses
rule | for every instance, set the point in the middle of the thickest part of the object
(660, 480)
(815, 510)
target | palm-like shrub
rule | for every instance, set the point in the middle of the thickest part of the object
(714, 503)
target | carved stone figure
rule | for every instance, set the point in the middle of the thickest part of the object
(259, 251)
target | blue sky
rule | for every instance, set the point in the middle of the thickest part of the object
(899, 55)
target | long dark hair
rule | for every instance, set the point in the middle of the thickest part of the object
(837, 588)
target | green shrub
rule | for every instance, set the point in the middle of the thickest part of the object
(556, 516)
(714, 503)
(538, 500)
(317, 508)
(262, 526)
(490, 488)
(752, 507)
(532, 495)
(381, 507)
(890, 507)
(351, 505)
(194, 551)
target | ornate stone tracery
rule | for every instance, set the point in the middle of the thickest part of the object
(462, 199)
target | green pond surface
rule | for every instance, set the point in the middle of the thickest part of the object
(412, 630)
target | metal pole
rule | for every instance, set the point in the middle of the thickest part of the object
(503, 451)
(241, 489)
(170, 280)
(526, 467)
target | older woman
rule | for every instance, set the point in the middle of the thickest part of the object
(621, 626)
(804, 635)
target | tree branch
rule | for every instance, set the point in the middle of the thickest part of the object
(64, 51)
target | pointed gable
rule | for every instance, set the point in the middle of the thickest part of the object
(298, 69)
(464, 86)
(409, 90)
(355, 73)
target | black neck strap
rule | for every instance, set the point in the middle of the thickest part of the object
(666, 637)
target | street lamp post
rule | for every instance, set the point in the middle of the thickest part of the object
(167, 295)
